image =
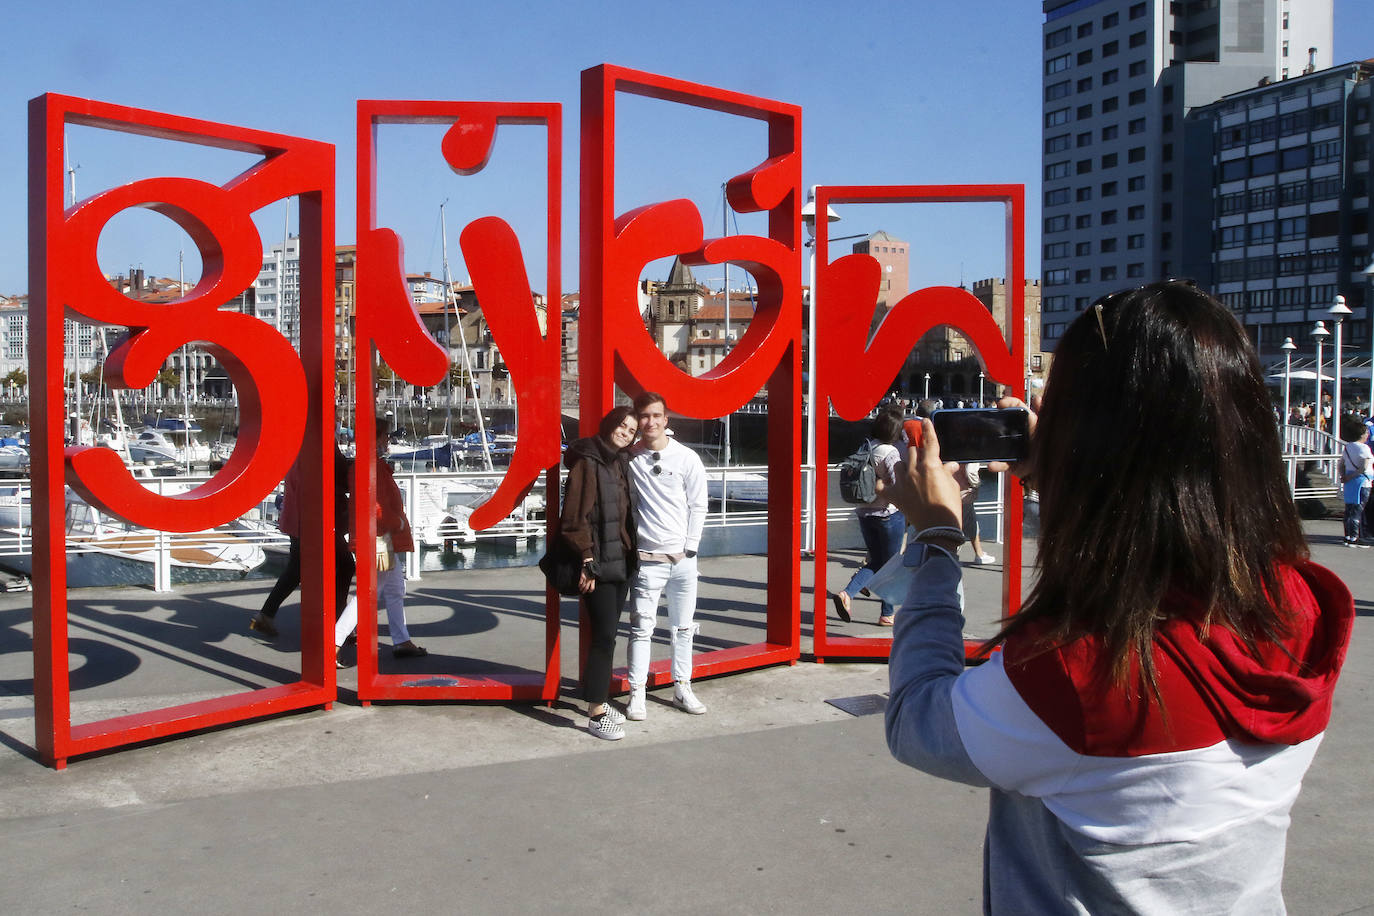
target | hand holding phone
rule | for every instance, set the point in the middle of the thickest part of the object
(1000, 434)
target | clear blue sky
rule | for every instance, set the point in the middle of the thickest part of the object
(891, 92)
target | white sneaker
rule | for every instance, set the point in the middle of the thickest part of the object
(685, 700)
(636, 710)
(984, 559)
(613, 715)
(603, 726)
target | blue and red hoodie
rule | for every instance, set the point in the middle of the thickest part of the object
(1103, 800)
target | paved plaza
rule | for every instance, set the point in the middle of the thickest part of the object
(776, 801)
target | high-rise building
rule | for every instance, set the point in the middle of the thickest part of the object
(277, 291)
(1119, 77)
(1276, 215)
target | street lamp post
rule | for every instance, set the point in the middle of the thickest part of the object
(980, 389)
(927, 394)
(1320, 333)
(1287, 348)
(813, 410)
(1369, 326)
(1338, 311)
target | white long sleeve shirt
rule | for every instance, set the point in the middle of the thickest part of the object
(672, 500)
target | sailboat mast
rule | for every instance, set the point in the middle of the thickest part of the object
(185, 398)
(448, 325)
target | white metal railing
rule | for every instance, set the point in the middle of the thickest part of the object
(745, 489)
(1317, 449)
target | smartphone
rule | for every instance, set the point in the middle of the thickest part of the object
(994, 434)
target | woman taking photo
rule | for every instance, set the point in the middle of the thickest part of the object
(1147, 723)
(598, 521)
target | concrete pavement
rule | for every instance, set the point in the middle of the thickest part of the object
(774, 801)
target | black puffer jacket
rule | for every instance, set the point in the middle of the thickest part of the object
(598, 509)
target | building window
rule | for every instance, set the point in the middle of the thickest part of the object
(1135, 183)
(1325, 188)
(1110, 132)
(1293, 227)
(1110, 48)
(1085, 30)
(1085, 139)
(1056, 250)
(1109, 189)
(1083, 275)
(1136, 40)
(1110, 104)
(1295, 122)
(1056, 117)
(1109, 161)
(1085, 57)
(1294, 158)
(1083, 194)
(1231, 237)
(1108, 217)
(1136, 154)
(1109, 76)
(1261, 199)
(1057, 277)
(1135, 241)
(1294, 192)
(1110, 20)
(1135, 270)
(1057, 198)
(1326, 151)
(1107, 246)
(1136, 126)
(1084, 111)
(1056, 303)
(1059, 64)
(1057, 144)
(1137, 68)
(1056, 223)
(1057, 170)
(1085, 84)
(1261, 233)
(1136, 11)
(1083, 221)
(1107, 273)
(1058, 37)
(1137, 97)
(1136, 212)
(1084, 166)
(1058, 90)
(1083, 249)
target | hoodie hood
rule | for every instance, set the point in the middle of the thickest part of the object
(592, 447)
(1213, 688)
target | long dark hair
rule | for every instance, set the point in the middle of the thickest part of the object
(1162, 489)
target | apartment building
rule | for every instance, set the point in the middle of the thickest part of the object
(1276, 218)
(1119, 78)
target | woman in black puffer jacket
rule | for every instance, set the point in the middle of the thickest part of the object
(598, 521)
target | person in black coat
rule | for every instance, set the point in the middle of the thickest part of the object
(598, 521)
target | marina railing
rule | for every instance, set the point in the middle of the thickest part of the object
(1305, 451)
(436, 502)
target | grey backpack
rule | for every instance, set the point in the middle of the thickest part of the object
(858, 476)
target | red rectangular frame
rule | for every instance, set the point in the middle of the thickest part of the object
(614, 349)
(50, 260)
(373, 685)
(1013, 197)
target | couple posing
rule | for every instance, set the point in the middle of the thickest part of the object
(635, 511)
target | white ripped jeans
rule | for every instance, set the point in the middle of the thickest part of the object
(680, 581)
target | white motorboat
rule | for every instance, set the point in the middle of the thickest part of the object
(105, 551)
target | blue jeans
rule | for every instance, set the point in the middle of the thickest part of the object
(882, 539)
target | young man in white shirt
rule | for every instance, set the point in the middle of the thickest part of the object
(671, 510)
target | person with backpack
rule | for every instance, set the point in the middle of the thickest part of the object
(880, 524)
(1357, 471)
